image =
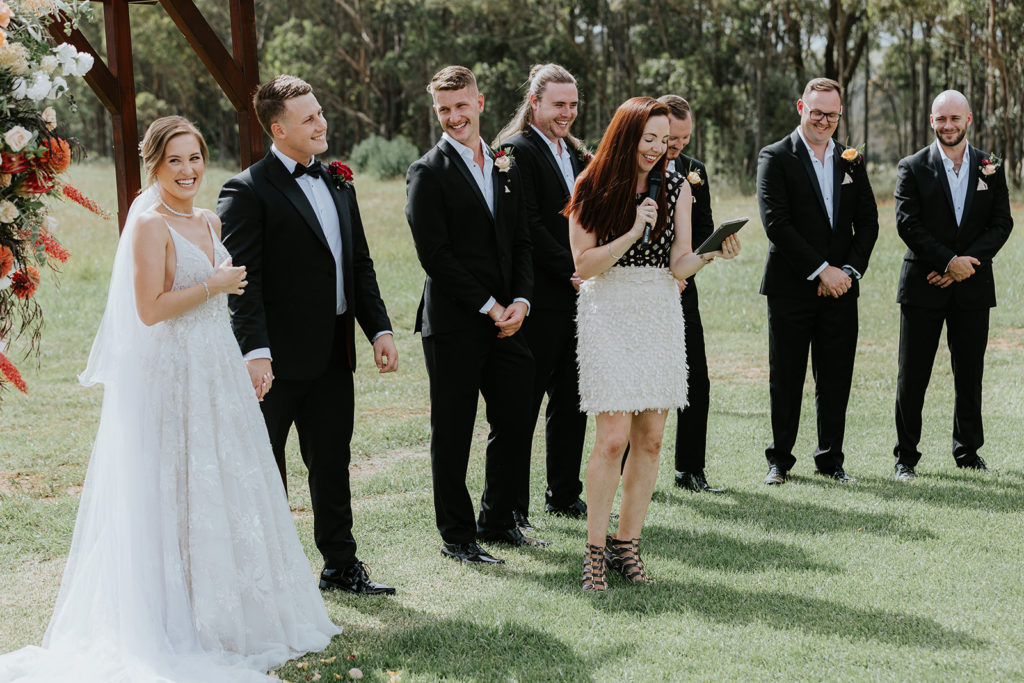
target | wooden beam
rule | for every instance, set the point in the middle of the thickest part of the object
(251, 146)
(207, 46)
(126, 131)
(99, 77)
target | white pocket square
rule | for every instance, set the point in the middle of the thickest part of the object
(507, 191)
(982, 186)
(847, 179)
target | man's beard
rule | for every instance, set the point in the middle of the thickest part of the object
(959, 138)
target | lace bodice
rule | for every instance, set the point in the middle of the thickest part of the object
(656, 254)
(192, 267)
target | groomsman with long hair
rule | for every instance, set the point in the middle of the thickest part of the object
(549, 158)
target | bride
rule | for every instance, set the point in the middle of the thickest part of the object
(185, 564)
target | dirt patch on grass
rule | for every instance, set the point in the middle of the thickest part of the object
(1007, 339)
(382, 461)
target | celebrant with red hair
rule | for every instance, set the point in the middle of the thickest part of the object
(631, 351)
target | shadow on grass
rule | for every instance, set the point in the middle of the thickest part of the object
(995, 493)
(714, 550)
(774, 512)
(423, 644)
(776, 609)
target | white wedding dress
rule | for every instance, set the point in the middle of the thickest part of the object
(185, 565)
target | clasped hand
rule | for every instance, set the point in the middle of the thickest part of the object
(227, 279)
(508, 319)
(833, 282)
(959, 269)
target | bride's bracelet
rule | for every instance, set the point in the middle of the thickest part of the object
(207, 290)
(611, 253)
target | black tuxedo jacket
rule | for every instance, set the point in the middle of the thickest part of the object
(702, 224)
(467, 254)
(289, 304)
(794, 217)
(926, 221)
(545, 195)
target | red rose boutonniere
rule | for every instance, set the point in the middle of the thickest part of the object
(503, 159)
(341, 175)
(990, 165)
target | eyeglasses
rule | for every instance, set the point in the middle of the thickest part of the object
(816, 115)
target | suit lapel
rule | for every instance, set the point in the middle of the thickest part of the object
(838, 174)
(278, 175)
(800, 149)
(541, 146)
(940, 171)
(456, 159)
(972, 157)
(341, 204)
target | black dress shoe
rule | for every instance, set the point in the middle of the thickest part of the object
(354, 579)
(576, 509)
(522, 522)
(511, 536)
(904, 472)
(838, 474)
(695, 481)
(776, 475)
(470, 553)
(975, 463)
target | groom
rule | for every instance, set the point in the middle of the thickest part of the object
(297, 229)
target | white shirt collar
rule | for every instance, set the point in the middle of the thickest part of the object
(828, 149)
(552, 145)
(466, 152)
(288, 162)
(946, 161)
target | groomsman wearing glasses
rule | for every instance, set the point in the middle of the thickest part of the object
(819, 212)
(465, 211)
(692, 423)
(953, 211)
(549, 158)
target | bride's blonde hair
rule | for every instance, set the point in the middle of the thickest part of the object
(159, 133)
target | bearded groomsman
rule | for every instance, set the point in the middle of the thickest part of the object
(692, 423)
(465, 209)
(819, 212)
(953, 211)
(549, 158)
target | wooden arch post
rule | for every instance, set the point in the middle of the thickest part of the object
(237, 74)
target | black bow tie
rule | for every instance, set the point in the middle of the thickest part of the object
(315, 169)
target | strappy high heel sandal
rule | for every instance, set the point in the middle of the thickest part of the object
(624, 557)
(593, 569)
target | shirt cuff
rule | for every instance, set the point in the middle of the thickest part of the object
(816, 273)
(850, 270)
(486, 308)
(262, 352)
(381, 334)
(947, 265)
(525, 301)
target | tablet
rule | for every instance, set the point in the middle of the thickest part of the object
(714, 243)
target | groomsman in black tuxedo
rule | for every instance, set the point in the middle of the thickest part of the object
(692, 423)
(953, 211)
(468, 220)
(297, 230)
(549, 158)
(819, 212)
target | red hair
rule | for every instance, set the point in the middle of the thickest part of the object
(604, 201)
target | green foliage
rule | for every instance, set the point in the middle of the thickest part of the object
(384, 158)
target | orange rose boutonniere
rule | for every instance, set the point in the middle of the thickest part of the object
(853, 155)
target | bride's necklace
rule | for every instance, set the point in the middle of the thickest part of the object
(190, 214)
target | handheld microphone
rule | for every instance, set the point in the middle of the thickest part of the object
(653, 188)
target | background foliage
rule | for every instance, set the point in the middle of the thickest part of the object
(742, 63)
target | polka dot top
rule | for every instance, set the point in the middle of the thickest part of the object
(656, 254)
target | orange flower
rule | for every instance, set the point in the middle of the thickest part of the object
(75, 195)
(3, 37)
(5, 14)
(57, 155)
(52, 248)
(6, 261)
(850, 154)
(24, 282)
(8, 370)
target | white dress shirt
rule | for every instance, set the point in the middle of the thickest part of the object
(958, 181)
(484, 181)
(560, 151)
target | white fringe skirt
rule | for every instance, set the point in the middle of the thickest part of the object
(631, 350)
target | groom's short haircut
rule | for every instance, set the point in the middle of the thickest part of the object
(822, 85)
(270, 98)
(677, 106)
(452, 78)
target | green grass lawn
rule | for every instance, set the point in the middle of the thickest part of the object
(810, 580)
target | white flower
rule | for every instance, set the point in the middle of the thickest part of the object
(83, 63)
(50, 118)
(50, 223)
(20, 87)
(65, 52)
(8, 211)
(39, 89)
(502, 163)
(16, 138)
(48, 63)
(59, 85)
